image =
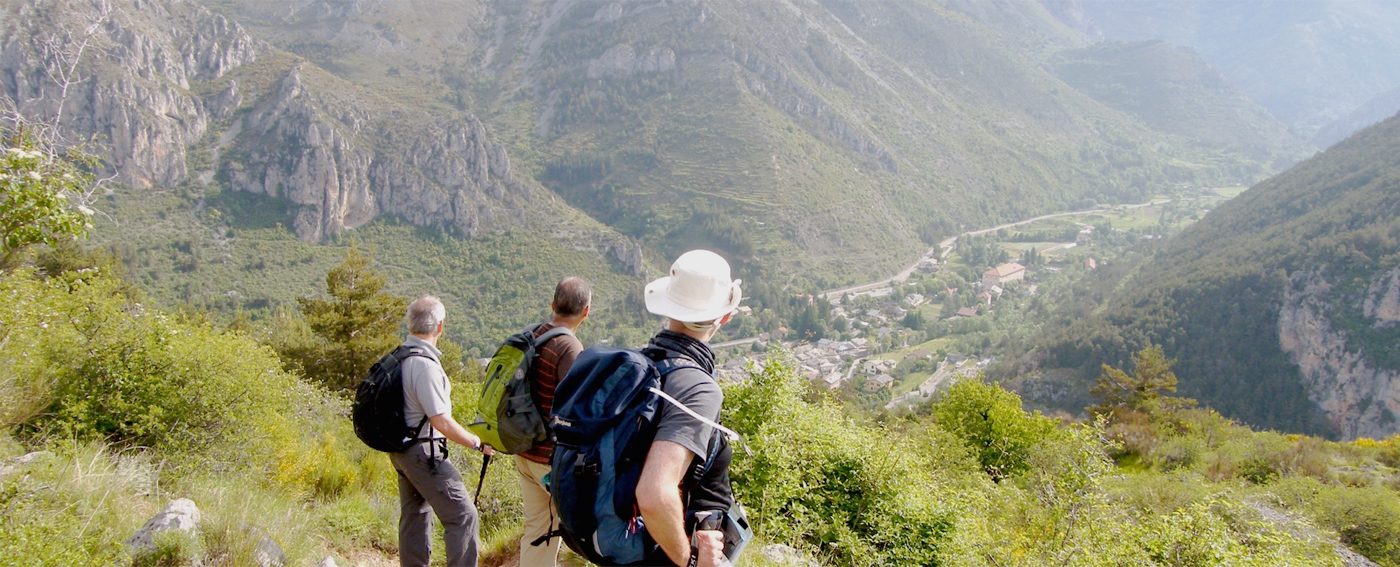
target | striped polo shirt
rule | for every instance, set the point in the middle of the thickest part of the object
(555, 359)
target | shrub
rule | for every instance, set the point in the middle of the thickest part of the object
(103, 368)
(1176, 453)
(991, 422)
(856, 494)
(1367, 519)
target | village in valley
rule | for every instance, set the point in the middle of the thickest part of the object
(897, 343)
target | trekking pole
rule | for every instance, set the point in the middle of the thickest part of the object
(485, 460)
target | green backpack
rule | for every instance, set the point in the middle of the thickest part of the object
(507, 418)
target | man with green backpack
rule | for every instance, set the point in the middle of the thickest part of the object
(516, 402)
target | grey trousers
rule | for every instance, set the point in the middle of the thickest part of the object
(428, 480)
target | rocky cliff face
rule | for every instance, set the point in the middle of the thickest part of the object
(160, 77)
(1360, 399)
(342, 163)
(1383, 300)
(132, 93)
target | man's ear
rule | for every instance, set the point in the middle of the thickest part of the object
(440, 327)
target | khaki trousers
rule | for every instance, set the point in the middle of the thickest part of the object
(540, 517)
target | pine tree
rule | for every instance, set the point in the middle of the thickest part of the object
(1148, 388)
(356, 325)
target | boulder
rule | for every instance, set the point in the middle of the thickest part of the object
(269, 554)
(181, 515)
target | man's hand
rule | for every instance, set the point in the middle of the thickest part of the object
(458, 434)
(710, 544)
(485, 449)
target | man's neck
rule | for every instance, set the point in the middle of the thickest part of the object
(430, 339)
(572, 323)
(702, 336)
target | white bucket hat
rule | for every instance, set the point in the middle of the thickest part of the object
(697, 291)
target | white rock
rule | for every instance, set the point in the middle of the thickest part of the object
(327, 562)
(181, 515)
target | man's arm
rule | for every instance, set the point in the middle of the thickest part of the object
(659, 498)
(454, 431)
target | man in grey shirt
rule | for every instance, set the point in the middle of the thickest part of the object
(427, 480)
(686, 473)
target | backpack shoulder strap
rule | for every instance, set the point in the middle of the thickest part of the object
(549, 336)
(668, 365)
(405, 352)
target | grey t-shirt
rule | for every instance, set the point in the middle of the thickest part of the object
(694, 388)
(426, 391)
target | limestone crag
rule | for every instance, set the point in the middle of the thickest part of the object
(1359, 398)
(1383, 300)
(132, 94)
(342, 166)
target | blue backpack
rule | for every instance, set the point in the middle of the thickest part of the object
(604, 420)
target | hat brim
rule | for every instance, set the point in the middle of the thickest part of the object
(659, 303)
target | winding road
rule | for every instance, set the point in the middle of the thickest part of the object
(941, 252)
(945, 246)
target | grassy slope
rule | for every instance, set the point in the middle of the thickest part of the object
(236, 252)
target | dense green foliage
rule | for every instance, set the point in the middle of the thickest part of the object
(351, 329)
(136, 406)
(40, 197)
(991, 421)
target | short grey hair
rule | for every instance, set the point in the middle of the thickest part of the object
(424, 314)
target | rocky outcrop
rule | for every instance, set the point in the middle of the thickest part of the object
(157, 83)
(1382, 303)
(12, 465)
(133, 96)
(1359, 398)
(342, 162)
(779, 554)
(269, 554)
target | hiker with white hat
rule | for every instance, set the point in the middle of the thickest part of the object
(686, 475)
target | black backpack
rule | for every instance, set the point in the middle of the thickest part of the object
(377, 412)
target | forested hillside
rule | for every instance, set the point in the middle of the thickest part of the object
(1283, 305)
(815, 143)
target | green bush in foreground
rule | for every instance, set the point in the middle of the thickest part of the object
(854, 493)
(990, 420)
